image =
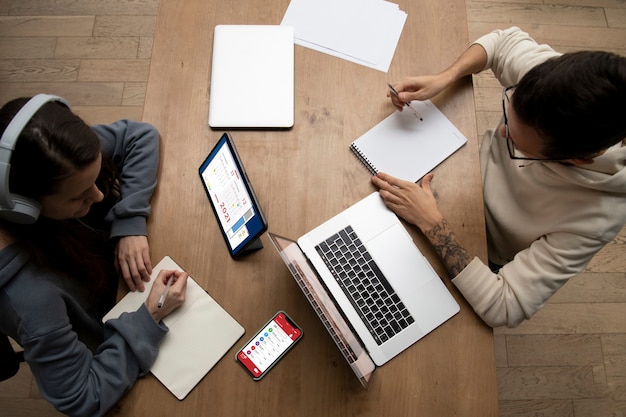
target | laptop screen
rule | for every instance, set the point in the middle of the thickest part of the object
(307, 280)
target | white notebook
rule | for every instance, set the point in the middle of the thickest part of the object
(406, 147)
(201, 333)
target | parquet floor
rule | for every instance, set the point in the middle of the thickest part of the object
(568, 361)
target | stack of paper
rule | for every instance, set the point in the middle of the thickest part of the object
(362, 31)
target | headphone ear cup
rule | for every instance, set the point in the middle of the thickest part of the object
(13, 207)
(25, 210)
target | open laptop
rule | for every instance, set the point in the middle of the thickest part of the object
(371, 322)
(252, 77)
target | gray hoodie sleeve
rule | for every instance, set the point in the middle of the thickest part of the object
(134, 149)
(79, 383)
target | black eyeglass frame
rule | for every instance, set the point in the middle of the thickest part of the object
(510, 146)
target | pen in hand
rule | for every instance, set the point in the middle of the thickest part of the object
(166, 291)
(395, 93)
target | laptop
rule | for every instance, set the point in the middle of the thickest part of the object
(252, 77)
(378, 302)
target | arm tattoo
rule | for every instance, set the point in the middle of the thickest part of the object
(454, 256)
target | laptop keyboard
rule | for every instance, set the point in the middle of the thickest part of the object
(364, 284)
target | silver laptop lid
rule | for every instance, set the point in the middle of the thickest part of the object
(308, 281)
(252, 77)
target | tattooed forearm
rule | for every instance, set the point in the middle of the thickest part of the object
(454, 256)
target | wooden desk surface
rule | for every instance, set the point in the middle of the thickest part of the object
(303, 176)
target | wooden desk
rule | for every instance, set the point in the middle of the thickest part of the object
(303, 176)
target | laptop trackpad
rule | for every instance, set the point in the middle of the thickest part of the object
(399, 259)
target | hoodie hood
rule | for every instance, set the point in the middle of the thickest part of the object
(12, 260)
(607, 173)
(527, 200)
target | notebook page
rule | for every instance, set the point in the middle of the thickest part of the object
(188, 351)
(408, 148)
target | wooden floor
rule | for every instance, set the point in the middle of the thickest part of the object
(569, 360)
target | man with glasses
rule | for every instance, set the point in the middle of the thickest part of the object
(554, 172)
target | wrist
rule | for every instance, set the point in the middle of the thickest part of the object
(427, 225)
(155, 312)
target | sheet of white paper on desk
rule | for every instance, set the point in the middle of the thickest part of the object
(200, 333)
(362, 31)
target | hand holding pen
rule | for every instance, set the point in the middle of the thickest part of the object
(395, 94)
(167, 293)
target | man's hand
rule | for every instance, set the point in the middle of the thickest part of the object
(413, 202)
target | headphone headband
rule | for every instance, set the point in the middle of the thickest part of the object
(14, 207)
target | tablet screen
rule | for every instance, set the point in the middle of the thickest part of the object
(233, 201)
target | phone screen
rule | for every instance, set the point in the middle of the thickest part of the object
(269, 345)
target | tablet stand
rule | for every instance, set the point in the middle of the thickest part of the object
(255, 245)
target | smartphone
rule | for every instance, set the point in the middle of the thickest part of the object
(271, 343)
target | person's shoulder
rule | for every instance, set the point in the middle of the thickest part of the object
(35, 300)
(6, 238)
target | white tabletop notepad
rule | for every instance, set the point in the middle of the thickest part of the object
(201, 333)
(406, 147)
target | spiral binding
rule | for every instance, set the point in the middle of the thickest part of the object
(366, 162)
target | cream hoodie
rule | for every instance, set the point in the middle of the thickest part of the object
(545, 220)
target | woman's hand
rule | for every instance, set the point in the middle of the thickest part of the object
(174, 298)
(132, 261)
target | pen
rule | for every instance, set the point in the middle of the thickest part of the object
(395, 93)
(167, 290)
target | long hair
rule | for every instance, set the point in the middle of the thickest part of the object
(54, 144)
(577, 103)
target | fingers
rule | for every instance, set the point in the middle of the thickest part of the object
(133, 261)
(389, 183)
(134, 273)
(180, 285)
(395, 101)
(169, 298)
(407, 89)
(425, 182)
(422, 87)
(147, 264)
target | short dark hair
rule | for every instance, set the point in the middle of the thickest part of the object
(577, 103)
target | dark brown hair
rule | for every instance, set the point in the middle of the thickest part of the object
(577, 103)
(54, 144)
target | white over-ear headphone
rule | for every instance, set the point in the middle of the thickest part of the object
(13, 207)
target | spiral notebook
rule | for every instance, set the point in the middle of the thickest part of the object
(200, 333)
(407, 147)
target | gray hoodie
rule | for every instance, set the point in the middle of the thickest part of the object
(82, 367)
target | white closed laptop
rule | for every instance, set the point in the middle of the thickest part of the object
(370, 285)
(252, 77)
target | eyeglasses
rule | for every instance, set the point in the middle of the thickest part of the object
(509, 143)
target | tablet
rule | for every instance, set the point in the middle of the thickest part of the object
(232, 198)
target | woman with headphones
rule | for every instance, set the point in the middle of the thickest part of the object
(74, 201)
